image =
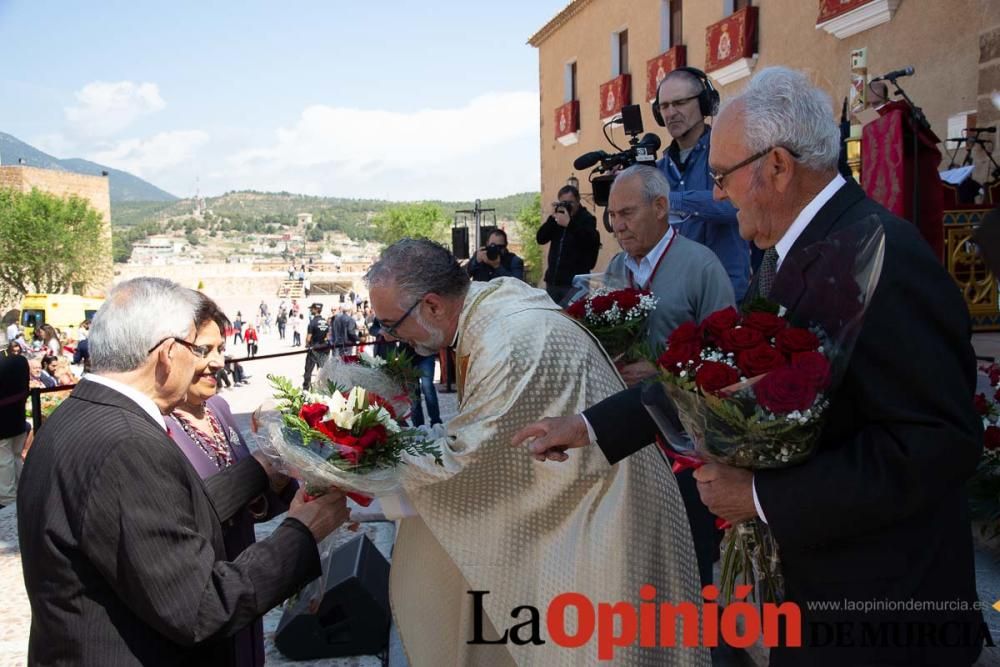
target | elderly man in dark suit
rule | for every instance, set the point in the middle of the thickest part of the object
(877, 516)
(121, 540)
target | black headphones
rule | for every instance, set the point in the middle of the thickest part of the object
(708, 98)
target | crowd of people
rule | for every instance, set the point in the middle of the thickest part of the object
(137, 502)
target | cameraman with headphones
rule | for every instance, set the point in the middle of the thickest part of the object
(495, 260)
(683, 99)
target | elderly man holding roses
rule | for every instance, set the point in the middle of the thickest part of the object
(878, 513)
(689, 283)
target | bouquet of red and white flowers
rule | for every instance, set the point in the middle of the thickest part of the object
(617, 318)
(984, 487)
(350, 439)
(752, 389)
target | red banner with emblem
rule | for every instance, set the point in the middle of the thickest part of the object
(615, 94)
(829, 9)
(567, 118)
(661, 66)
(731, 39)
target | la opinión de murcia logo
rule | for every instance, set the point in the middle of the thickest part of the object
(617, 624)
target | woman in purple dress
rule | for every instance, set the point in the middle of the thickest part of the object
(203, 427)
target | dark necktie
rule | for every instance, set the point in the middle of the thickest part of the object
(767, 269)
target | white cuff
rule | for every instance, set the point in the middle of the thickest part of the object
(590, 430)
(756, 502)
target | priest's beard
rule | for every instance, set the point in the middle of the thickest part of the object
(434, 341)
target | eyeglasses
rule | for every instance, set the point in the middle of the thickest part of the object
(391, 329)
(665, 105)
(200, 351)
(719, 176)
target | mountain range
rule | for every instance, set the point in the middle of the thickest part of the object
(124, 186)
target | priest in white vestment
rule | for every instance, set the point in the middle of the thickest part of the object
(492, 519)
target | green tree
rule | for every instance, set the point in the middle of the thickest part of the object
(47, 243)
(411, 220)
(529, 219)
(315, 234)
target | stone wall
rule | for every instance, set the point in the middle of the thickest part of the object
(229, 280)
(65, 184)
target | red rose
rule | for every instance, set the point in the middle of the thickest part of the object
(739, 339)
(993, 370)
(312, 413)
(991, 438)
(982, 405)
(794, 340)
(682, 354)
(689, 332)
(577, 309)
(600, 304)
(375, 435)
(768, 324)
(785, 390)
(713, 376)
(627, 299)
(815, 365)
(759, 360)
(720, 321)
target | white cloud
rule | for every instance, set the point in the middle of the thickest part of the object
(155, 155)
(105, 108)
(486, 147)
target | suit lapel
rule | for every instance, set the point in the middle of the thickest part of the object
(826, 218)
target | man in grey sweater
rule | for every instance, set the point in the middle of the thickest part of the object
(686, 277)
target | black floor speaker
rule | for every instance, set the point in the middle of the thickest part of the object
(460, 242)
(353, 617)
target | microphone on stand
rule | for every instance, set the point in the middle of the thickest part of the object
(895, 74)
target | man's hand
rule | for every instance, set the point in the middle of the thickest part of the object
(637, 372)
(561, 217)
(553, 436)
(726, 491)
(321, 515)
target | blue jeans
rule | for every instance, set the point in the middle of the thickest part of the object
(426, 387)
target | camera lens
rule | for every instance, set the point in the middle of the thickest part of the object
(492, 252)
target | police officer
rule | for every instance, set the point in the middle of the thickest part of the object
(316, 335)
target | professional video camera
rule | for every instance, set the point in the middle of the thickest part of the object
(640, 151)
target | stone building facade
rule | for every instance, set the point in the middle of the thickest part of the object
(65, 184)
(953, 45)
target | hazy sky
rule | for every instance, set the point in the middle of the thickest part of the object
(376, 98)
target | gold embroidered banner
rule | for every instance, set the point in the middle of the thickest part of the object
(661, 66)
(731, 39)
(615, 94)
(829, 9)
(567, 118)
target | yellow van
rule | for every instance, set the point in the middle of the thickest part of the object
(63, 311)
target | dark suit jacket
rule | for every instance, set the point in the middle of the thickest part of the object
(878, 513)
(122, 543)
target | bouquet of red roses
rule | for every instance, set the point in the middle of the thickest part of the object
(617, 318)
(350, 439)
(753, 389)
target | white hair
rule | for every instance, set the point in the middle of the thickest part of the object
(138, 314)
(654, 183)
(782, 108)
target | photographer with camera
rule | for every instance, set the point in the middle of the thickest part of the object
(571, 232)
(683, 100)
(495, 261)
